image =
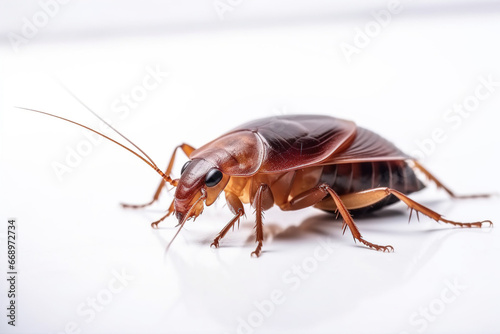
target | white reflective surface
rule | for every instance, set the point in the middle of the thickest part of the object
(86, 264)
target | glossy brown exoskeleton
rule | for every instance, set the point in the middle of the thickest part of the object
(294, 162)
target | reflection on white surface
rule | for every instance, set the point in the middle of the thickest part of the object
(86, 265)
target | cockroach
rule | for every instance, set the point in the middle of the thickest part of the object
(293, 162)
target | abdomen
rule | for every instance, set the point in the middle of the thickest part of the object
(356, 177)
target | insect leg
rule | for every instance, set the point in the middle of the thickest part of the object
(170, 210)
(226, 229)
(263, 200)
(236, 207)
(431, 177)
(350, 222)
(317, 194)
(425, 210)
(187, 149)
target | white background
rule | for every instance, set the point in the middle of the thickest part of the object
(263, 59)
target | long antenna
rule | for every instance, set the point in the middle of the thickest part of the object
(102, 120)
(151, 163)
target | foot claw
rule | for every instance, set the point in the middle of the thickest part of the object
(215, 244)
(255, 253)
(489, 222)
(257, 250)
(154, 224)
(389, 249)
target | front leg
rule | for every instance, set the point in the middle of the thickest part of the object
(263, 200)
(171, 209)
(187, 149)
(236, 207)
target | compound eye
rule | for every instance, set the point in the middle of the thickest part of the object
(213, 177)
(185, 166)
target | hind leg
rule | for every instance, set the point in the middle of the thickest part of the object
(318, 197)
(369, 197)
(431, 177)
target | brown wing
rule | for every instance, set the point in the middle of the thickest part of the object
(367, 146)
(297, 141)
(278, 144)
(284, 143)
